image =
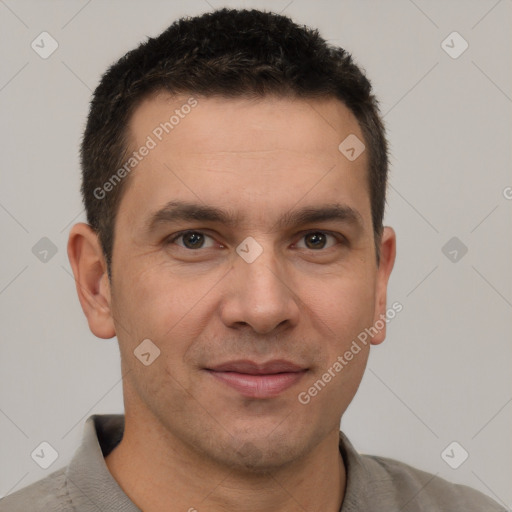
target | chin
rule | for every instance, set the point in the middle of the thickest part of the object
(260, 456)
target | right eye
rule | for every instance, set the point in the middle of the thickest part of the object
(192, 240)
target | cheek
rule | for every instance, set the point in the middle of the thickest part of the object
(162, 304)
(343, 305)
(171, 311)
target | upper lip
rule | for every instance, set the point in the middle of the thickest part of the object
(252, 368)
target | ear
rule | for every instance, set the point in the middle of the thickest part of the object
(387, 260)
(91, 278)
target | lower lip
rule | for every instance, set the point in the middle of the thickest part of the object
(259, 386)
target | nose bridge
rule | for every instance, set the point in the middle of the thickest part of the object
(260, 296)
(263, 276)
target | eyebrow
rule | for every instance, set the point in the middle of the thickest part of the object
(175, 211)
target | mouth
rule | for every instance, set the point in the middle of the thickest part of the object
(255, 380)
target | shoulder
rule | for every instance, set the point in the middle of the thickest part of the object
(48, 495)
(417, 490)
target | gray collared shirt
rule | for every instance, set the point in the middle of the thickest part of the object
(373, 483)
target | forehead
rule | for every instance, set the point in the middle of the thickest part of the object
(194, 122)
(268, 152)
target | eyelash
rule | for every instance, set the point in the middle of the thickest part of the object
(339, 237)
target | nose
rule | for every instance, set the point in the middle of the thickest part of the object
(259, 295)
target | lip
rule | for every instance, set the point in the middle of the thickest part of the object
(251, 368)
(255, 380)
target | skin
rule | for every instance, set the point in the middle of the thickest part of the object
(191, 441)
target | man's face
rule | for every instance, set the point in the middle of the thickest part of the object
(261, 176)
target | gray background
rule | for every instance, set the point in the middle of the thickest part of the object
(443, 373)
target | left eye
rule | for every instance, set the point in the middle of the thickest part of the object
(317, 240)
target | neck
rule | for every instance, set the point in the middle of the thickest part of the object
(158, 473)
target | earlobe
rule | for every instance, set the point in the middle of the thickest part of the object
(387, 260)
(92, 285)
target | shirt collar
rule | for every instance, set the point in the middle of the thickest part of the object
(90, 484)
(93, 488)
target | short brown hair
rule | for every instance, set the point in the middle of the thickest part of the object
(231, 53)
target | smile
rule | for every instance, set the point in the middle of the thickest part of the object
(258, 381)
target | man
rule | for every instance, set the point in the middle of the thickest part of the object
(234, 177)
